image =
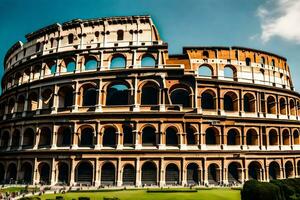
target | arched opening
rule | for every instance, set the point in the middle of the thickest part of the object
(282, 106)
(193, 174)
(271, 105)
(11, 106)
(149, 136)
(149, 173)
(18, 78)
(28, 138)
(292, 107)
(120, 35)
(213, 174)
(45, 137)
(53, 68)
(117, 94)
(118, 62)
(234, 173)
(4, 139)
(15, 143)
(47, 98)
(89, 95)
(289, 169)
(230, 102)
(108, 174)
(63, 173)
(172, 174)
(150, 94)
(87, 137)
(26, 172)
(251, 137)
(180, 96)
(128, 136)
(2, 173)
(274, 170)
(128, 176)
(262, 61)
(70, 38)
(84, 173)
(64, 137)
(296, 137)
(286, 137)
(36, 71)
(273, 137)
(148, 61)
(90, 64)
(109, 137)
(233, 137)
(44, 172)
(11, 176)
(212, 136)
(32, 101)
(248, 62)
(205, 71)
(190, 136)
(66, 97)
(70, 65)
(249, 103)
(254, 171)
(208, 101)
(229, 71)
(21, 103)
(171, 137)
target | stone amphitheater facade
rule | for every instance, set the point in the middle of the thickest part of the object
(101, 102)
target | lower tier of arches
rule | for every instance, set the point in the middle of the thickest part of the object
(147, 170)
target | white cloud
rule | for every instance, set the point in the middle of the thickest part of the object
(280, 18)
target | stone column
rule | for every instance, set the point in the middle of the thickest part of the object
(97, 173)
(138, 172)
(35, 172)
(55, 99)
(54, 136)
(53, 172)
(72, 171)
(119, 173)
(161, 172)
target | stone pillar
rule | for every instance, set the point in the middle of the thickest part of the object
(76, 98)
(136, 106)
(55, 100)
(119, 173)
(137, 144)
(100, 95)
(53, 172)
(37, 137)
(183, 173)
(40, 102)
(97, 173)
(119, 143)
(161, 136)
(54, 136)
(35, 172)
(138, 172)
(72, 171)
(161, 172)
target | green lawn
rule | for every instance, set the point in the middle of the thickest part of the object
(213, 194)
(12, 189)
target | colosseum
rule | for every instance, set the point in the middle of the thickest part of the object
(100, 102)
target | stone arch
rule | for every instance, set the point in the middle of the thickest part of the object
(11, 174)
(213, 174)
(149, 173)
(282, 106)
(252, 137)
(118, 93)
(47, 98)
(249, 102)
(108, 174)
(128, 175)
(286, 137)
(271, 105)
(149, 136)
(296, 137)
(28, 138)
(32, 101)
(231, 101)
(63, 173)
(230, 71)
(16, 136)
(66, 96)
(45, 137)
(234, 172)
(109, 137)
(274, 170)
(128, 137)
(150, 93)
(21, 103)
(11, 106)
(208, 100)
(118, 61)
(273, 137)
(89, 94)
(205, 70)
(84, 173)
(148, 60)
(180, 94)
(172, 136)
(191, 135)
(5, 136)
(255, 171)
(64, 136)
(233, 137)
(27, 173)
(292, 107)
(289, 169)
(172, 174)
(69, 64)
(193, 177)
(212, 136)
(44, 172)
(86, 136)
(90, 63)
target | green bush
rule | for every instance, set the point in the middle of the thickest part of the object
(289, 188)
(254, 190)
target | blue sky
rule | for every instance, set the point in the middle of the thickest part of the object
(270, 25)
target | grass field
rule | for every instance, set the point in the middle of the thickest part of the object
(213, 194)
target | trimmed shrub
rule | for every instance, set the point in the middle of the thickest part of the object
(254, 190)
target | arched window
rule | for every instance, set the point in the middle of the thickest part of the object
(150, 94)
(90, 64)
(28, 138)
(149, 173)
(251, 137)
(233, 137)
(117, 94)
(271, 105)
(127, 136)
(172, 174)
(292, 107)
(128, 177)
(230, 102)
(274, 170)
(148, 61)
(285, 137)
(44, 171)
(249, 103)
(108, 174)
(273, 139)
(65, 94)
(205, 70)
(120, 35)
(212, 136)
(213, 174)
(171, 137)
(248, 62)
(208, 100)
(87, 137)
(229, 71)
(84, 173)
(282, 106)
(70, 38)
(63, 173)
(109, 137)
(148, 136)
(254, 171)
(89, 95)
(190, 136)
(118, 62)
(64, 137)
(71, 66)
(296, 137)
(181, 96)
(45, 137)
